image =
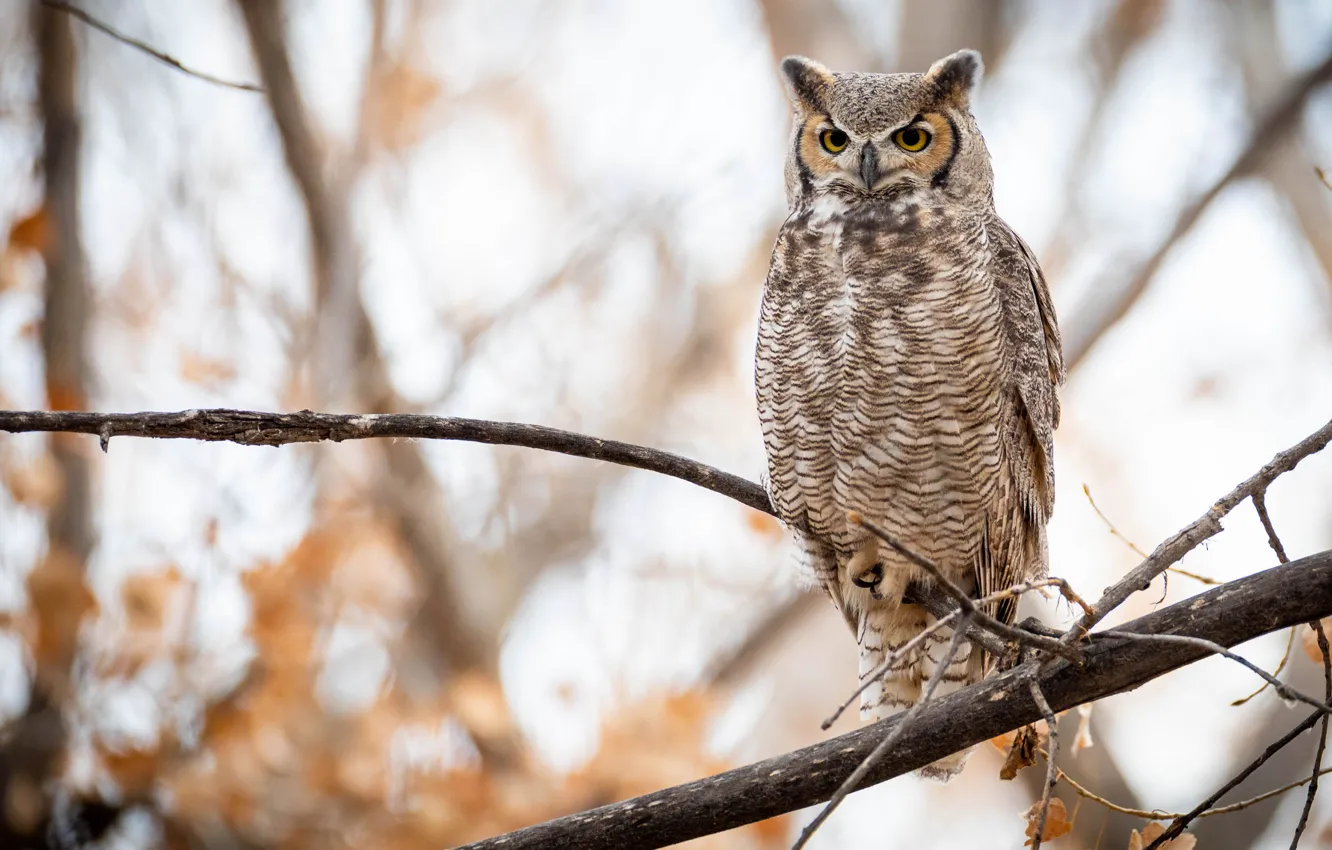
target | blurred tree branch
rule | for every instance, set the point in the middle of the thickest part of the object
(1253, 33)
(65, 319)
(1231, 614)
(165, 58)
(932, 29)
(819, 29)
(1087, 327)
(347, 366)
(31, 752)
(1127, 26)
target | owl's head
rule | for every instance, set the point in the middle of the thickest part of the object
(859, 136)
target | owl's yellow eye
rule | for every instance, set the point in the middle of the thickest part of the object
(911, 139)
(833, 141)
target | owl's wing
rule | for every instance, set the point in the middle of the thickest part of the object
(1031, 405)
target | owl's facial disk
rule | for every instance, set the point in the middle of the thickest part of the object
(916, 154)
(871, 134)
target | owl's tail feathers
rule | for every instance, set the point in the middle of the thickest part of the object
(884, 632)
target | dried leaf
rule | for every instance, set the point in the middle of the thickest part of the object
(1153, 831)
(135, 771)
(62, 396)
(1021, 753)
(24, 803)
(764, 525)
(1056, 822)
(1309, 640)
(33, 232)
(36, 483)
(59, 600)
(146, 598)
(402, 96)
(206, 371)
(1083, 739)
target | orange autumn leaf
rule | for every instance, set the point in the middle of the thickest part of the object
(59, 600)
(762, 524)
(206, 371)
(402, 96)
(33, 232)
(1153, 831)
(135, 771)
(1057, 822)
(147, 598)
(1309, 640)
(36, 483)
(61, 396)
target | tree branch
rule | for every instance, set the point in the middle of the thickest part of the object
(251, 428)
(1088, 327)
(1233, 613)
(75, 11)
(1207, 525)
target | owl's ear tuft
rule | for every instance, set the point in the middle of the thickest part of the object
(953, 77)
(807, 82)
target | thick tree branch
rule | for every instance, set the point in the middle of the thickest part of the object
(1228, 615)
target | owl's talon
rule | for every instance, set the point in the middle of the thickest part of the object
(870, 580)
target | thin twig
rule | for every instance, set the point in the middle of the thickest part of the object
(1281, 665)
(1158, 814)
(1281, 688)
(1016, 590)
(1115, 532)
(1322, 737)
(853, 781)
(1051, 771)
(1086, 491)
(882, 670)
(1179, 824)
(984, 620)
(1259, 499)
(1206, 526)
(75, 11)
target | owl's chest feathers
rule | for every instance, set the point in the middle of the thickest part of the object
(881, 352)
(896, 291)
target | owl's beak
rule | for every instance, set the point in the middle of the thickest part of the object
(869, 165)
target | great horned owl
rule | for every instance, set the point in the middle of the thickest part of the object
(907, 363)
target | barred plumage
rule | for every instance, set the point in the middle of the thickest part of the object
(907, 362)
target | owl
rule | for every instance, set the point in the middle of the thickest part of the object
(907, 365)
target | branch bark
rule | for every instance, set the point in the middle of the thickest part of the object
(1228, 615)
(252, 428)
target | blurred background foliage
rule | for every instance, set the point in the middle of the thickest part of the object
(561, 212)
